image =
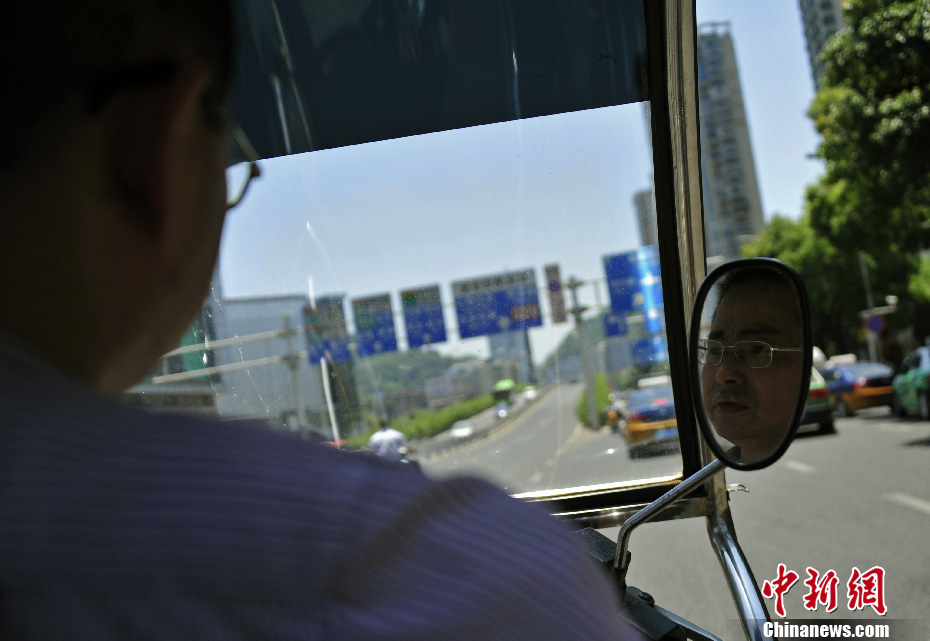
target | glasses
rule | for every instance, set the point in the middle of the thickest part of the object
(241, 175)
(751, 354)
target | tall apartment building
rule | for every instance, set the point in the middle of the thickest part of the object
(514, 346)
(822, 19)
(644, 204)
(732, 205)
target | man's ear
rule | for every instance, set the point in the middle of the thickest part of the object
(160, 154)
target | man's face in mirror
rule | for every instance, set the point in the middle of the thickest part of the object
(752, 407)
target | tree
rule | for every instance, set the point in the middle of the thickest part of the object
(826, 270)
(873, 115)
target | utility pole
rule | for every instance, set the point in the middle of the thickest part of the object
(576, 311)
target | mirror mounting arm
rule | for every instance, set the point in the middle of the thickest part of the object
(621, 563)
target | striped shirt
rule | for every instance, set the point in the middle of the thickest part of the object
(119, 523)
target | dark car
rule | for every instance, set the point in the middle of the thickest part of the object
(912, 385)
(650, 421)
(859, 385)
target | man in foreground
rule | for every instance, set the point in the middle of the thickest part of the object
(117, 523)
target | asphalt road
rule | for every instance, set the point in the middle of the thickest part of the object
(860, 499)
(545, 448)
(857, 499)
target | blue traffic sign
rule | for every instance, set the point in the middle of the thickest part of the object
(374, 325)
(622, 281)
(875, 323)
(614, 325)
(325, 329)
(634, 281)
(495, 304)
(650, 351)
(423, 317)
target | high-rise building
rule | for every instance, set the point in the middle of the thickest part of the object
(269, 389)
(822, 19)
(514, 346)
(646, 217)
(732, 205)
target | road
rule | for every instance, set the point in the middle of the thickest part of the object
(545, 448)
(860, 498)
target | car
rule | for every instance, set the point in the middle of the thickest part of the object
(819, 408)
(911, 385)
(650, 421)
(462, 429)
(859, 385)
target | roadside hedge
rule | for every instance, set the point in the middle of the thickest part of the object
(601, 400)
(426, 423)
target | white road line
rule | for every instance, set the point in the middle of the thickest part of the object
(909, 501)
(797, 466)
(896, 427)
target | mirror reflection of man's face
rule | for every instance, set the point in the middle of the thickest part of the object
(752, 407)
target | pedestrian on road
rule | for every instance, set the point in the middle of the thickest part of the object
(388, 443)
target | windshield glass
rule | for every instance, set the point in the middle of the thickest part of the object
(431, 278)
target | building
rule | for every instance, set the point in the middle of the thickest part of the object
(267, 375)
(644, 203)
(732, 204)
(514, 346)
(176, 384)
(822, 19)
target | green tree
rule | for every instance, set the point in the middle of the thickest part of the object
(822, 267)
(874, 198)
(874, 118)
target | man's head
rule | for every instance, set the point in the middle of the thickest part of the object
(749, 404)
(112, 186)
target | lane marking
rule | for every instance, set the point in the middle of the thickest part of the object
(909, 501)
(899, 427)
(797, 466)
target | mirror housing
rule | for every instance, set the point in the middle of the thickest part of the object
(750, 397)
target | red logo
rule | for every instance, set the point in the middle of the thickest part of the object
(823, 592)
(864, 589)
(778, 587)
(867, 589)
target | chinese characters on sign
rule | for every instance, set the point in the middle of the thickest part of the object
(864, 589)
(496, 304)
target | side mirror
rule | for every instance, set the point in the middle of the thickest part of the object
(751, 353)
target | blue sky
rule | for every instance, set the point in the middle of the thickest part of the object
(430, 209)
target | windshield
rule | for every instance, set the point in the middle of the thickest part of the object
(428, 279)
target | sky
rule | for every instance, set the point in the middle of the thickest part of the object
(388, 216)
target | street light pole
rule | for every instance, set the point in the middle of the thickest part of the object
(576, 311)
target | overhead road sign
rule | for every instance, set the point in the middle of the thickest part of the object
(423, 317)
(325, 328)
(614, 325)
(495, 304)
(374, 325)
(622, 273)
(650, 351)
(634, 281)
